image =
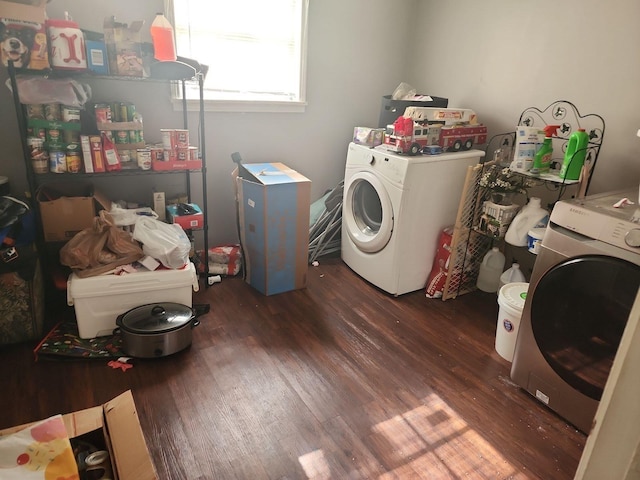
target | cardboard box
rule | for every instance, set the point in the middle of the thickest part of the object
(273, 207)
(116, 423)
(124, 47)
(67, 208)
(23, 22)
(187, 222)
(99, 300)
(97, 58)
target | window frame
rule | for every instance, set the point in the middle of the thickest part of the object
(247, 106)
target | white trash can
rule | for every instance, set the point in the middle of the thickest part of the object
(511, 301)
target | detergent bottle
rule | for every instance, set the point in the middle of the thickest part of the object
(532, 215)
(542, 159)
(490, 271)
(574, 155)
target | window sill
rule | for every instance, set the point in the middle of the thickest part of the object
(241, 106)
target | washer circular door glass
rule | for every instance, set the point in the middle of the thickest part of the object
(579, 310)
(367, 212)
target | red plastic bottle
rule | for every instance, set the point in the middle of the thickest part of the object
(164, 46)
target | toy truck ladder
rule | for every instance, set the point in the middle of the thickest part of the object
(446, 116)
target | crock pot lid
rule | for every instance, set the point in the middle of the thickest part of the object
(156, 317)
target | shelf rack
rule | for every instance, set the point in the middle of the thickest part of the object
(196, 73)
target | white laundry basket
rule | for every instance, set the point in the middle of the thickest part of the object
(511, 301)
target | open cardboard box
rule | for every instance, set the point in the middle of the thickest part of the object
(116, 422)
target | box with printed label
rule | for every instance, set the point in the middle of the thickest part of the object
(273, 208)
(23, 32)
(188, 216)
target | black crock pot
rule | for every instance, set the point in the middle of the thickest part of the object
(156, 329)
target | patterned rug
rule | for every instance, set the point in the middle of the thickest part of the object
(63, 343)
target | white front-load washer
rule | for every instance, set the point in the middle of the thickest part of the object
(394, 208)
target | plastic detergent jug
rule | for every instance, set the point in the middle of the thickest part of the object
(532, 215)
(575, 154)
(542, 159)
(164, 46)
(512, 275)
(490, 270)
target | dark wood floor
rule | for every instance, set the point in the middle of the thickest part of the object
(336, 381)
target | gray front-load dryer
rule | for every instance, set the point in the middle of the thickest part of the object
(582, 287)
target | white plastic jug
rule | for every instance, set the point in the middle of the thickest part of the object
(532, 215)
(512, 275)
(490, 271)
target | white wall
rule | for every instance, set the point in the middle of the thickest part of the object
(352, 63)
(499, 57)
(496, 56)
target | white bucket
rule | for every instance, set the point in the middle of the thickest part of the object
(511, 300)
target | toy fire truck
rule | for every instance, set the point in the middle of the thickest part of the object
(422, 128)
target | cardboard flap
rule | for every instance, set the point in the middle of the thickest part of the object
(26, 10)
(129, 447)
(270, 173)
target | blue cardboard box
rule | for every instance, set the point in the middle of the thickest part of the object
(273, 210)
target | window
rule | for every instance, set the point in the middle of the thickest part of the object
(255, 51)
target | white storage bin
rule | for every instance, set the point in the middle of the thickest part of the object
(99, 300)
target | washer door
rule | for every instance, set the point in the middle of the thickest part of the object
(367, 212)
(579, 311)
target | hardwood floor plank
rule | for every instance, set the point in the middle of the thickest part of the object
(338, 380)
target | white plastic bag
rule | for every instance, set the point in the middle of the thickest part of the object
(166, 242)
(35, 90)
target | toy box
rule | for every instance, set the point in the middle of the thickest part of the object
(274, 208)
(115, 427)
(99, 300)
(124, 47)
(23, 34)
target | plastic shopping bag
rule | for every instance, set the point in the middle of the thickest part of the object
(166, 242)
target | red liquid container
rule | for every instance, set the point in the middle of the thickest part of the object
(164, 46)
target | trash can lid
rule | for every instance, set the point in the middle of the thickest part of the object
(513, 295)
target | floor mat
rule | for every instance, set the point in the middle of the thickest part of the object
(63, 343)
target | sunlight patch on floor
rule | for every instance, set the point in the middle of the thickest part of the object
(430, 442)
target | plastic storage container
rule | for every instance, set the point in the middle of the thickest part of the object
(532, 215)
(512, 275)
(511, 301)
(534, 239)
(490, 271)
(99, 300)
(164, 45)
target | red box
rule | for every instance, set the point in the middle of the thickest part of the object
(166, 166)
(187, 222)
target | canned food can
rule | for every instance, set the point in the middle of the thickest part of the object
(169, 155)
(35, 110)
(134, 155)
(57, 161)
(37, 132)
(71, 136)
(131, 112)
(136, 136)
(182, 154)
(40, 163)
(157, 154)
(125, 156)
(102, 112)
(54, 136)
(144, 158)
(121, 136)
(74, 160)
(52, 112)
(182, 138)
(168, 139)
(35, 144)
(70, 114)
(193, 153)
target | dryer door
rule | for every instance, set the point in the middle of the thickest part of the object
(579, 311)
(367, 212)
